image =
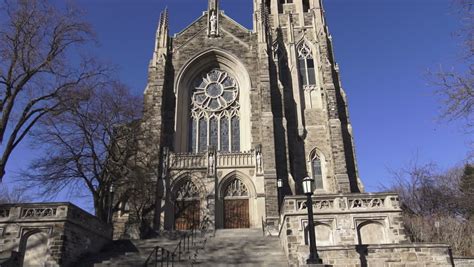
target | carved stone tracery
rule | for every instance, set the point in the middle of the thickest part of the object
(38, 212)
(188, 190)
(236, 189)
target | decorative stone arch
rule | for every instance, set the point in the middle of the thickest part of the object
(228, 179)
(182, 179)
(203, 62)
(186, 196)
(34, 246)
(324, 234)
(317, 155)
(371, 232)
(312, 91)
(236, 205)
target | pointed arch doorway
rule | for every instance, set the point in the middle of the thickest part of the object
(187, 207)
(236, 205)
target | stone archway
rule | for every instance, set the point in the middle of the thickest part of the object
(34, 248)
(236, 205)
(195, 68)
(187, 206)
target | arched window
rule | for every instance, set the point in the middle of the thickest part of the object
(306, 65)
(317, 171)
(214, 113)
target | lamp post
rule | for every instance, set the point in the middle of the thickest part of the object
(280, 196)
(313, 252)
(111, 204)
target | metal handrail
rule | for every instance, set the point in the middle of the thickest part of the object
(160, 251)
(182, 246)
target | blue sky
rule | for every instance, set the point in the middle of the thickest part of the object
(384, 49)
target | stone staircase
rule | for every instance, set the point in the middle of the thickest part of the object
(242, 247)
(136, 252)
(233, 247)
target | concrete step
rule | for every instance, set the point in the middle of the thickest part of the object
(242, 247)
(231, 247)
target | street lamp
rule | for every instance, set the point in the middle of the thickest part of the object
(111, 204)
(313, 252)
(280, 195)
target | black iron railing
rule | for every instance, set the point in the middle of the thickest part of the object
(162, 257)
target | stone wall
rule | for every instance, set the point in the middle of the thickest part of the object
(384, 255)
(69, 232)
(355, 230)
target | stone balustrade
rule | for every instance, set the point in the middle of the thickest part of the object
(188, 161)
(343, 203)
(232, 160)
(184, 161)
(47, 212)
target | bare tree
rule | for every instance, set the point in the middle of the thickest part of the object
(88, 144)
(37, 65)
(435, 206)
(456, 86)
(15, 194)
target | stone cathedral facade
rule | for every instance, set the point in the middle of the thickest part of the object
(234, 120)
(234, 112)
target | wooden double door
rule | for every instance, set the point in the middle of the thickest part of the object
(236, 213)
(187, 215)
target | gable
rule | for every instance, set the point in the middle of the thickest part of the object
(195, 35)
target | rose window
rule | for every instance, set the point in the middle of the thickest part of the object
(215, 91)
(215, 119)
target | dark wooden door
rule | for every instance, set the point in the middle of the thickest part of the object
(186, 215)
(236, 213)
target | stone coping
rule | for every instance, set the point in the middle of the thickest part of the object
(351, 195)
(381, 246)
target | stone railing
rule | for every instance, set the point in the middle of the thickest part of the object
(188, 161)
(180, 161)
(242, 159)
(33, 211)
(342, 203)
(50, 212)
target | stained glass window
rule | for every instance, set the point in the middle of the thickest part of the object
(192, 136)
(317, 173)
(224, 134)
(213, 132)
(306, 65)
(214, 101)
(202, 135)
(235, 126)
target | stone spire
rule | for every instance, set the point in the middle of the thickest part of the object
(162, 31)
(213, 18)
(162, 38)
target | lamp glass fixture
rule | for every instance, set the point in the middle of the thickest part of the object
(308, 185)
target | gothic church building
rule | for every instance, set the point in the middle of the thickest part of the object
(235, 110)
(239, 117)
